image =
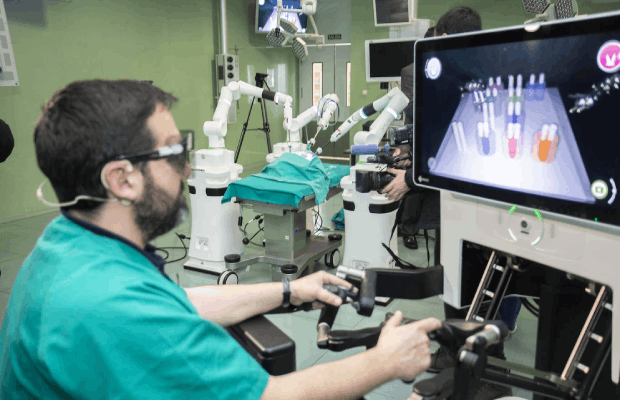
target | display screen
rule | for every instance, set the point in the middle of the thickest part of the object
(387, 59)
(390, 12)
(266, 15)
(526, 118)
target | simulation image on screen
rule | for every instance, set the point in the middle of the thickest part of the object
(532, 117)
(498, 133)
(267, 15)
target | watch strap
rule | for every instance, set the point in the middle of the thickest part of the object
(286, 293)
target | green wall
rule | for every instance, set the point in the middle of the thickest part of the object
(494, 14)
(171, 43)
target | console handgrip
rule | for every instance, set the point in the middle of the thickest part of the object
(344, 340)
(367, 293)
(441, 384)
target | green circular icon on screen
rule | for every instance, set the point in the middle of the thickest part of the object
(599, 189)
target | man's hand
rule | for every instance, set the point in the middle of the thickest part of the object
(400, 150)
(396, 189)
(310, 289)
(407, 347)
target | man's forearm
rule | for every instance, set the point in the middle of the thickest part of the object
(350, 378)
(229, 304)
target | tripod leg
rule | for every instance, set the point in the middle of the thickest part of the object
(266, 127)
(245, 127)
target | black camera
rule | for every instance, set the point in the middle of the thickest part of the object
(382, 157)
(365, 181)
(401, 135)
(260, 79)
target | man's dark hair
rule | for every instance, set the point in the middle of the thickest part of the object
(89, 123)
(458, 20)
(430, 32)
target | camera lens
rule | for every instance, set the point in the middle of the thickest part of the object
(523, 224)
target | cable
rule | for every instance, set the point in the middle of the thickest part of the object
(318, 220)
(530, 307)
(257, 232)
(161, 249)
(258, 217)
(181, 237)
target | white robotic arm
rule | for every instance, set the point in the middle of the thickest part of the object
(327, 106)
(392, 100)
(324, 110)
(216, 130)
(397, 104)
(294, 126)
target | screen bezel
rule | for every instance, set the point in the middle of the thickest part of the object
(600, 23)
(367, 44)
(256, 20)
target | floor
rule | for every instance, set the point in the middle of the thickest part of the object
(18, 237)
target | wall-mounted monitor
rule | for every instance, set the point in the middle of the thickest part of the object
(385, 58)
(525, 118)
(266, 15)
(394, 12)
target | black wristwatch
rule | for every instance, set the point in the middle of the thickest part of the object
(287, 293)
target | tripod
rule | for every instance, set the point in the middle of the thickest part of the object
(260, 81)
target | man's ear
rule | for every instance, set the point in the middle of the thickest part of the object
(119, 178)
(444, 34)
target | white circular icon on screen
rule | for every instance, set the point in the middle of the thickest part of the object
(599, 189)
(433, 68)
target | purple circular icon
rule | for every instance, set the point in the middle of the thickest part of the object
(608, 57)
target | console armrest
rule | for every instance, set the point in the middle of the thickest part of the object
(271, 347)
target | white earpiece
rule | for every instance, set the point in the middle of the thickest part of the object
(124, 202)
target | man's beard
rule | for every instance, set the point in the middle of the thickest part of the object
(157, 213)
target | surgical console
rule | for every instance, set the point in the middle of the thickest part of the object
(516, 127)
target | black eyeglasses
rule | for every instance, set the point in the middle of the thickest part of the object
(176, 154)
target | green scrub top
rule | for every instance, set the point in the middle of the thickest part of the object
(91, 317)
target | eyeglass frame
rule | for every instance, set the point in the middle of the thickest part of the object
(182, 148)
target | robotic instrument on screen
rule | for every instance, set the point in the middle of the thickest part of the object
(322, 112)
(369, 214)
(499, 172)
(214, 225)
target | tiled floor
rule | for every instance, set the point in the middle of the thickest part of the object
(18, 237)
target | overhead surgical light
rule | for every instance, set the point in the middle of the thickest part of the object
(300, 48)
(545, 11)
(279, 37)
(285, 31)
